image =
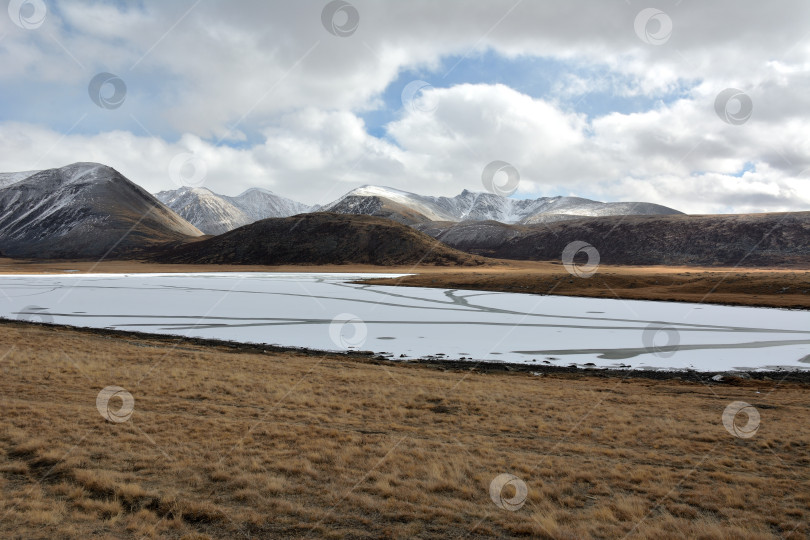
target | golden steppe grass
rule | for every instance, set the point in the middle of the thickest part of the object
(225, 443)
(784, 288)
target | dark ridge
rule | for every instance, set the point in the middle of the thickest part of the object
(318, 238)
(747, 240)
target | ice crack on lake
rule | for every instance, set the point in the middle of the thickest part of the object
(299, 310)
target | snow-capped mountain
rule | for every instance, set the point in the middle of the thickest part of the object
(83, 210)
(371, 199)
(259, 203)
(86, 209)
(477, 206)
(215, 214)
(209, 212)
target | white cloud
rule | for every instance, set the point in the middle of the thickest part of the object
(285, 97)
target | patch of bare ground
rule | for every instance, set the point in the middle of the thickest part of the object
(232, 443)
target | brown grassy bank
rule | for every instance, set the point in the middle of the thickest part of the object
(225, 443)
(742, 287)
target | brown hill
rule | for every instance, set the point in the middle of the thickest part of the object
(776, 239)
(319, 238)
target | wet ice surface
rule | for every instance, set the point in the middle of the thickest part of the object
(299, 310)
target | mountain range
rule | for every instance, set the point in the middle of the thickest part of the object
(214, 214)
(410, 208)
(91, 211)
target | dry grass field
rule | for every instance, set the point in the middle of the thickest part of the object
(731, 286)
(227, 443)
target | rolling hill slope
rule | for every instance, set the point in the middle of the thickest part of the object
(319, 238)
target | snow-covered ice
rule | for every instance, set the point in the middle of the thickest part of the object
(300, 310)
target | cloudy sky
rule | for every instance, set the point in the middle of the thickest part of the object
(612, 100)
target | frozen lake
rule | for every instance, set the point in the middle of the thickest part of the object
(325, 311)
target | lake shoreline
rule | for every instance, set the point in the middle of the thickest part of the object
(739, 378)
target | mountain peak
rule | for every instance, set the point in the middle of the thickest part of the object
(87, 164)
(369, 190)
(84, 168)
(213, 213)
(82, 172)
(255, 190)
(83, 210)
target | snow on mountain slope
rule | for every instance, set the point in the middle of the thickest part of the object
(209, 212)
(88, 209)
(215, 214)
(477, 206)
(424, 205)
(259, 203)
(466, 206)
(83, 210)
(6, 179)
(576, 207)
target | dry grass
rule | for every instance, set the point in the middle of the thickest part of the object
(732, 286)
(226, 444)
